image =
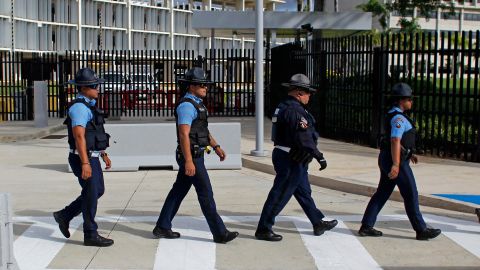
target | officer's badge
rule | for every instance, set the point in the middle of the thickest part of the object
(303, 123)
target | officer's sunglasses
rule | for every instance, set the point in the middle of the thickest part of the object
(202, 85)
(93, 86)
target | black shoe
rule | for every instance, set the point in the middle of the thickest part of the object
(97, 241)
(164, 233)
(229, 236)
(428, 234)
(320, 228)
(369, 231)
(62, 224)
(268, 236)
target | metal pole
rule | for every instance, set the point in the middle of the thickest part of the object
(259, 152)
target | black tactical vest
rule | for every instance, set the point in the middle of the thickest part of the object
(96, 137)
(199, 133)
(409, 138)
(277, 136)
(280, 134)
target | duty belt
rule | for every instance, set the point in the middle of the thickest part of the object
(283, 148)
(93, 154)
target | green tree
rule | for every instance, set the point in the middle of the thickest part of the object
(404, 9)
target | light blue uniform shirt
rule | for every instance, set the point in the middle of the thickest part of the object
(81, 114)
(399, 124)
(186, 112)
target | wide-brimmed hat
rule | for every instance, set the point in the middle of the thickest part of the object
(401, 90)
(301, 81)
(85, 77)
(195, 75)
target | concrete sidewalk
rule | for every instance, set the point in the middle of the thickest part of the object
(34, 173)
(14, 131)
(353, 169)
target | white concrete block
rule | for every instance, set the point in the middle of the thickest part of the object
(153, 145)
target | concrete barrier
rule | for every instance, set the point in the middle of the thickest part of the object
(153, 145)
(7, 258)
(40, 89)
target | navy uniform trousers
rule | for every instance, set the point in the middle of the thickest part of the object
(92, 190)
(408, 189)
(182, 185)
(291, 179)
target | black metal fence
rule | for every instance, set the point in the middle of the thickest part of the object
(138, 83)
(356, 73)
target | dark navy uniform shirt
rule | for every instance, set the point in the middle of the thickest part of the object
(294, 126)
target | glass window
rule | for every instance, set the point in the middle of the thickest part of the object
(471, 16)
(450, 16)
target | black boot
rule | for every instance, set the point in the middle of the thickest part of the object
(428, 234)
(97, 241)
(164, 233)
(320, 228)
(227, 237)
(63, 225)
(268, 236)
(369, 231)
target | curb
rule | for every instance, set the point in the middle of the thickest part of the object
(348, 187)
(33, 135)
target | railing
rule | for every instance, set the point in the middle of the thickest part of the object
(355, 74)
(138, 83)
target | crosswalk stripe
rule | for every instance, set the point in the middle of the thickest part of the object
(39, 244)
(329, 250)
(194, 250)
(465, 233)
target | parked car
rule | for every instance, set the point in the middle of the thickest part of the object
(114, 81)
(143, 90)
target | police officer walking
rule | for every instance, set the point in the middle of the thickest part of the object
(295, 140)
(87, 140)
(396, 152)
(193, 138)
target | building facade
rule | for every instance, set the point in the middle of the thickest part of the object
(466, 17)
(59, 25)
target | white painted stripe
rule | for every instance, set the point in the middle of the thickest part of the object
(194, 250)
(336, 249)
(39, 244)
(127, 219)
(465, 233)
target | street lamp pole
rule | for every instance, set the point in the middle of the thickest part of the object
(259, 110)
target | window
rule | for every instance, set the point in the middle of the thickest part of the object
(431, 15)
(449, 16)
(471, 16)
(408, 13)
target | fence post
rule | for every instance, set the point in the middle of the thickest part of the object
(62, 99)
(7, 258)
(379, 83)
(29, 100)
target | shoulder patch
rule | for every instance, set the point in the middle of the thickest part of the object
(303, 123)
(398, 122)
